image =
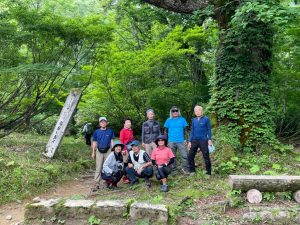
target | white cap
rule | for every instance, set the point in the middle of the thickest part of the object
(102, 118)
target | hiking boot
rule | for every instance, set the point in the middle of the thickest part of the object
(185, 172)
(192, 174)
(96, 188)
(114, 187)
(147, 182)
(135, 182)
(164, 188)
(207, 176)
(125, 180)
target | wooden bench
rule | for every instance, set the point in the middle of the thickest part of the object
(254, 184)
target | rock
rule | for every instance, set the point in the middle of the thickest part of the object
(267, 216)
(36, 199)
(110, 209)
(8, 217)
(41, 209)
(157, 214)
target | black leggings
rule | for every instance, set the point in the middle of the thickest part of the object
(162, 172)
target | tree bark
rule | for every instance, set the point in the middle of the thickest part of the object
(265, 183)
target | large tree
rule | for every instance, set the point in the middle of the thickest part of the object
(241, 89)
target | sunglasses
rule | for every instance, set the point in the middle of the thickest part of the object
(175, 110)
(161, 140)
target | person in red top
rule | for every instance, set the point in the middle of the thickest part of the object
(162, 158)
(126, 136)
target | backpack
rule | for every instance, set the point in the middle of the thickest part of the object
(89, 129)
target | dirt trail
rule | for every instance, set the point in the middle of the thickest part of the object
(78, 186)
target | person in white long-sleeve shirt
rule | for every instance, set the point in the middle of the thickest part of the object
(112, 171)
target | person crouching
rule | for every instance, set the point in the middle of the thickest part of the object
(112, 171)
(139, 165)
(162, 158)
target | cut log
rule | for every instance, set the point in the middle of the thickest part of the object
(296, 196)
(254, 196)
(264, 183)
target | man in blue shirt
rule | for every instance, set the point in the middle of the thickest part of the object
(102, 142)
(175, 128)
(200, 138)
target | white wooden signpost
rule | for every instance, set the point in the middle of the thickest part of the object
(62, 123)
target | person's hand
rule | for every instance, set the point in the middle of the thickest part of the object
(93, 155)
(130, 165)
(139, 171)
(210, 142)
(189, 145)
(143, 145)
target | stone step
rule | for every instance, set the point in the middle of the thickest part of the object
(79, 212)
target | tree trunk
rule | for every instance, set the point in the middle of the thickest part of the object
(241, 97)
(265, 183)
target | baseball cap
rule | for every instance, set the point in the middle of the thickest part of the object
(102, 118)
(135, 142)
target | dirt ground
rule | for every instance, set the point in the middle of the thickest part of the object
(79, 186)
(201, 212)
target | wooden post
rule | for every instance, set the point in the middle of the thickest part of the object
(62, 123)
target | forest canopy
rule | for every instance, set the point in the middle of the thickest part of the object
(128, 56)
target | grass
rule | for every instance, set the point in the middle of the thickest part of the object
(24, 171)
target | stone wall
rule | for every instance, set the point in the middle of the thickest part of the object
(79, 212)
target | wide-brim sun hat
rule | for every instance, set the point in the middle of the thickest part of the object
(117, 144)
(162, 137)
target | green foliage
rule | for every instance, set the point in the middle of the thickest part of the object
(138, 72)
(234, 199)
(93, 220)
(241, 89)
(23, 172)
(268, 196)
(41, 59)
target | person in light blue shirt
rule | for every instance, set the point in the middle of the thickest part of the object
(175, 129)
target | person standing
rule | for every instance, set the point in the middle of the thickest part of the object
(176, 130)
(88, 131)
(126, 136)
(102, 142)
(150, 131)
(139, 165)
(200, 137)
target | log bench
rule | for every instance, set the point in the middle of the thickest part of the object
(254, 184)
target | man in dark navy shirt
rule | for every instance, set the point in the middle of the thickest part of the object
(200, 137)
(102, 142)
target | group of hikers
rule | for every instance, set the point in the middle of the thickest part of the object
(156, 154)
